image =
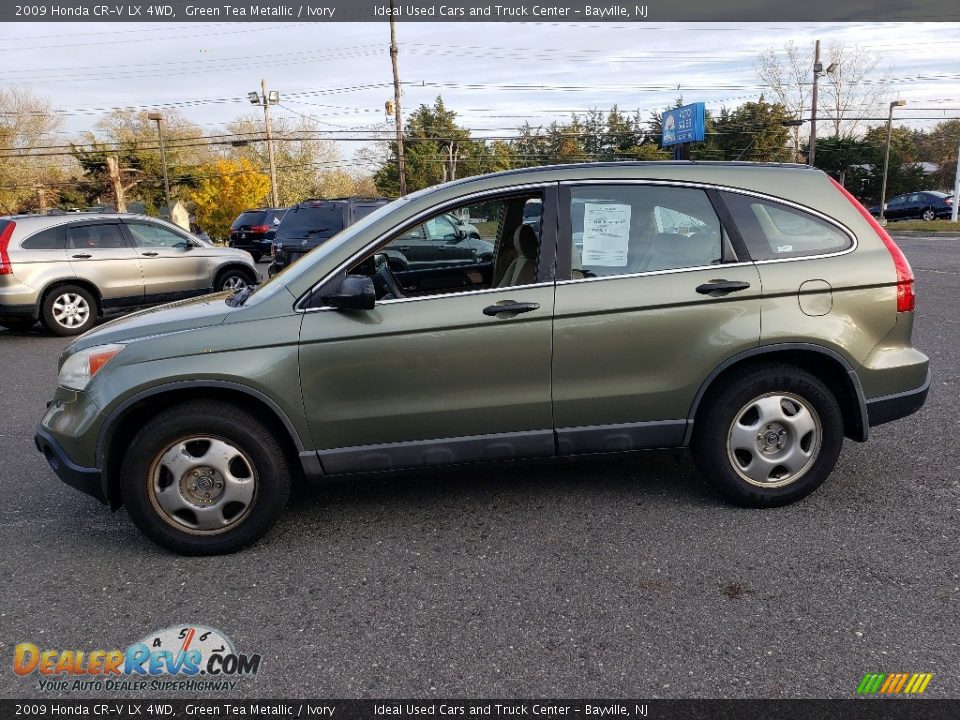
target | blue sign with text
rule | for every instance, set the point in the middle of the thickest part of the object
(684, 124)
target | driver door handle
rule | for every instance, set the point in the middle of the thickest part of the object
(150, 254)
(722, 287)
(509, 306)
(82, 256)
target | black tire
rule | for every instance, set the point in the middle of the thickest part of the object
(68, 304)
(749, 474)
(258, 466)
(230, 278)
(18, 324)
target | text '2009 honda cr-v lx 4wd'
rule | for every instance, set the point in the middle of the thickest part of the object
(755, 314)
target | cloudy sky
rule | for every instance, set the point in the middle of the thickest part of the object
(495, 75)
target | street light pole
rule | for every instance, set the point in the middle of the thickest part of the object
(266, 122)
(956, 190)
(163, 159)
(817, 69)
(267, 99)
(886, 159)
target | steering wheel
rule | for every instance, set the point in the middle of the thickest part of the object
(386, 274)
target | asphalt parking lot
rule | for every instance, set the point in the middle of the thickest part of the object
(619, 578)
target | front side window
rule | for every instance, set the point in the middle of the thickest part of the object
(473, 247)
(627, 229)
(774, 231)
(153, 236)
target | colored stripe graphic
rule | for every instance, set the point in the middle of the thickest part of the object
(894, 683)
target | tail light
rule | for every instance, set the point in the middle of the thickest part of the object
(259, 228)
(6, 268)
(948, 201)
(906, 297)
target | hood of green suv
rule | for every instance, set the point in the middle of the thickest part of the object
(191, 314)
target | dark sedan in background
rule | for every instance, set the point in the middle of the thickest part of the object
(925, 205)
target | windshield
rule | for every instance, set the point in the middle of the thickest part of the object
(319, 222)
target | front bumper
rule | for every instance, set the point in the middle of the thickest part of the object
(893, 407)
(86, 480)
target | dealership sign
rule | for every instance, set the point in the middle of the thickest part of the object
(684, 124)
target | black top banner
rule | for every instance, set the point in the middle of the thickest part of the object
(740, 11)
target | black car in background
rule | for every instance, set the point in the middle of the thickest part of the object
(924, 205)
(253, 230)
(312, 222)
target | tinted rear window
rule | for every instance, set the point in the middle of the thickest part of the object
(320, 222)
(251, 218)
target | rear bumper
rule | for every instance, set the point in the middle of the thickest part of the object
(19, 312)
(86, 480)
(893, 407)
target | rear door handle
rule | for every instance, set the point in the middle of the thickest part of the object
(509, 306)
(150, 254)
(82, 256)
(722, 287)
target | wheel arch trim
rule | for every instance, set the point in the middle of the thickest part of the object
(860, 426)
(108, 428)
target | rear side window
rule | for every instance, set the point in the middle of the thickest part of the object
(95, 237)
(773, 231)
(321, 222)
(621, 230)
(49, 239)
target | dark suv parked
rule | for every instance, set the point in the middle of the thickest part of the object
(313, 222)
(253, 230)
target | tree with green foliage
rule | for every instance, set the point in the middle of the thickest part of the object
(130, 139)
(437, 149)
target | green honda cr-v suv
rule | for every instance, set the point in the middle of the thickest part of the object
(757, 314)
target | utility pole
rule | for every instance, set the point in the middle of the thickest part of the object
(163, 159)
(817, 69)
(398, 118)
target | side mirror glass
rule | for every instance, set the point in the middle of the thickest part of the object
(356, 292)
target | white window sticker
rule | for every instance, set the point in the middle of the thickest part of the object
(606, 234)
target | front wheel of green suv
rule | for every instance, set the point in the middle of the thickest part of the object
(770, 436)
(204, 478)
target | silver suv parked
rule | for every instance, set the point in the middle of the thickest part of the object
(67, 270)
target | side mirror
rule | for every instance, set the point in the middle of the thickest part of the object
(356, 292)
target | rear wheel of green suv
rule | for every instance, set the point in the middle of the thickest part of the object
(204, 478)
(771, 435)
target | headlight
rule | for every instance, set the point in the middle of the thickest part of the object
(80, 367)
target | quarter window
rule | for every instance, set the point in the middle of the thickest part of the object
(49, 239)
(773, 231)
(621, 230)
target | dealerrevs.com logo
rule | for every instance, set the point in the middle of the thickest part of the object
(188, 658)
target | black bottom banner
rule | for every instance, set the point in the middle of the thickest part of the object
(859, 709)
